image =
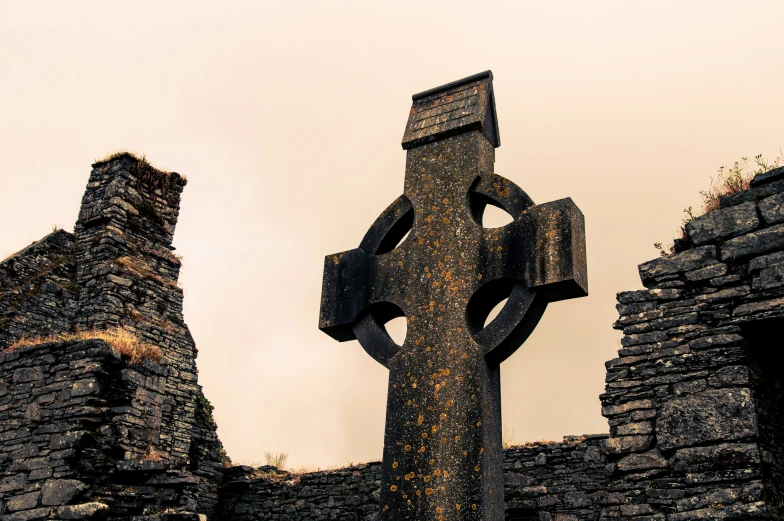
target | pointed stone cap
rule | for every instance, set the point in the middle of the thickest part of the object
(454, 108)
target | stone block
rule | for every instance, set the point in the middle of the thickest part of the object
(614, 410)
(688, 260)
(708, 272)
(772, 208)
(634, 428)
(642, 461)
(27, 374)
(769, 278)
(762, 306)
(83, 511)
(12, 483)
(27, 515)
(623, 444)
(24, 501)
(754, 243)
(718, 457)
(729, 376)
(775, 174)
(56, 492)
(646, 297)
(723, 224)
(715, 415)
(84, 387)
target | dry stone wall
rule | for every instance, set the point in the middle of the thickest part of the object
(116, 270)
(694, 400)
(38, 294)
(549, 481)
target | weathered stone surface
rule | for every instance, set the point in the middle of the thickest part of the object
(759, 307)
(626, 444)
(775, 174)
(688, 260)
(755, 243)
(83, 511)
(708, 272)
(445, 278)
(613, 410)
(642, 461)
(28, 515)
(719, 415)
(724, 223)
(23, 501)
(718, 457)
(56, 492)
(772, 208)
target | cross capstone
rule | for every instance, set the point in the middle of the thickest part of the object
(442, 455)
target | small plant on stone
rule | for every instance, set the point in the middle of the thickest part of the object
(276, 459)
(728, 181)
(508, 438)
(204, 411)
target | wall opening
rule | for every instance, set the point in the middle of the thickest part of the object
(765, 343)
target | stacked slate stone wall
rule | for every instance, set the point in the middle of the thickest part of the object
(556, 481)
(694, 399)
(128, 274)
(38, 294)
(543, 482)
(118, 270)
(71, 413)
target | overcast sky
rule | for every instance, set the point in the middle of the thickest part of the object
(287, 118)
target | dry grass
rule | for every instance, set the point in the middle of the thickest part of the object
(508, 438)
(276, 459)
(540, 442)
(157, 177)
(127, 343)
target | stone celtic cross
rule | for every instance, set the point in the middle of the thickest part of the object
(442, 444)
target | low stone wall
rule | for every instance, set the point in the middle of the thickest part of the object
(118, 270)
(547, 482)
(694, 398)
(251, 494)
(556, 481)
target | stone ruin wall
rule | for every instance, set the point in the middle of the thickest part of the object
(693, 401)
(116, 269)
(558, 478)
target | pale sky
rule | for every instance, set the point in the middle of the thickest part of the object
(287, 118)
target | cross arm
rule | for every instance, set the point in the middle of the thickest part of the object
(547, 250)
(345, 292)
(350, 307)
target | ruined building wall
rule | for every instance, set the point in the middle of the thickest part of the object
(117, 270)
(694, 399)
(72, 412)
(38, 294)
